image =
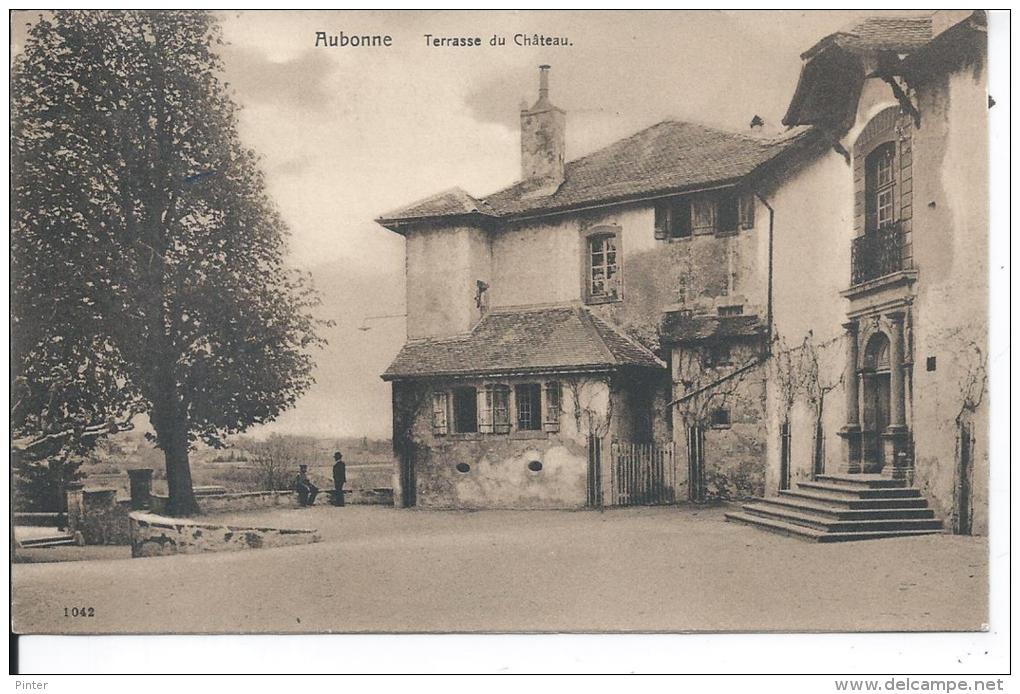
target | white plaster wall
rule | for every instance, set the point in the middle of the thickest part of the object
(813, 206)
(542, 261)
(951, 254)
(443, 265)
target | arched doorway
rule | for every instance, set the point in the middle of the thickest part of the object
(876, 400)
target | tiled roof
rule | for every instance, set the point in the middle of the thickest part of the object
(524, 340)
(680, 326)
(830, 80)
(899, 34)
(450, 203)
(671, 156)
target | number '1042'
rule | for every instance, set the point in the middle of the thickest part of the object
(79, 612)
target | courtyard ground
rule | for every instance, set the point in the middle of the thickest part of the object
(638, 569)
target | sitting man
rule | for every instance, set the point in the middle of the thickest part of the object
(306, 491)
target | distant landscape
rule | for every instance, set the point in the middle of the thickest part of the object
(241, 466)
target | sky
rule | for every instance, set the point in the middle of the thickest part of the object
(346, 134)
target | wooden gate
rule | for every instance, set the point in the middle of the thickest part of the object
(696, 463)
(641, 474)
(594, 489)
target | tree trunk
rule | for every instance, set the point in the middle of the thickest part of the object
(170, 423)
(178, 477)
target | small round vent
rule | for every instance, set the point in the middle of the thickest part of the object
(534, 466)
(463, 467)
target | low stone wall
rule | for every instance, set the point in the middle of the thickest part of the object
(250, 501)
(45, 520)
(231, 502)
(153, 536)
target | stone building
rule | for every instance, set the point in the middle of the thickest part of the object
(547, 314)
(801, 317)
(880, 291)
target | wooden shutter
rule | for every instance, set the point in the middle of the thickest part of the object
(553, 398)
(661, 220)
(485, 410)
(703, 214)
(440, 408)
(746, 211)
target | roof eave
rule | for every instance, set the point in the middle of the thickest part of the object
(501, 372)
(401, 224)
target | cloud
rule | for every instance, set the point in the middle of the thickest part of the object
(297, 83)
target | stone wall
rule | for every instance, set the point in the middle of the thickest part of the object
(45, 520)
(475, 471)
(97, 515)
(153, 536)
(245, 501)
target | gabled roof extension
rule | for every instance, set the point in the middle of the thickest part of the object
(524, 340)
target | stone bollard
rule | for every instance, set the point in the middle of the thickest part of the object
(141, 488)
(75, 506)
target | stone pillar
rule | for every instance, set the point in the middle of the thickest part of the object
(851, 431)
(895, 436)
(75, 506)
(141, 488)
(897, 416)
(99, 505)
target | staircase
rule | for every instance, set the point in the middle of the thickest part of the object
(839, 508)
(55, 540)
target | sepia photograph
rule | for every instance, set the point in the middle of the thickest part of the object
(463, 322)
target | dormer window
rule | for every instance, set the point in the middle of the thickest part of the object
(879, 187)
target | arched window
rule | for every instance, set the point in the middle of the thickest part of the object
(879, 187)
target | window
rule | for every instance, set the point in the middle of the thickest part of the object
(604, 268)
(439, 410)
(720, 418)
(529, 406)
(465, 410)
(879, 187)
(735, 211)
(735, 310)
(553, 398)
(673, 219)
(727, 213)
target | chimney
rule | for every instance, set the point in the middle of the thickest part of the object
(543, 140)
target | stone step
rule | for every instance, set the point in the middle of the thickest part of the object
(841, 512)
(862, 481)
(48, 541)
(800, 531)
(854, 502)
(830, 525)
(861, 493)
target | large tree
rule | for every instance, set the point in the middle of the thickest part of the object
(148, 269)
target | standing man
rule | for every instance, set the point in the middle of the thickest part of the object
(303, 486)
(339, 478)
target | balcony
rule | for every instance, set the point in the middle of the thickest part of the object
(877, 254)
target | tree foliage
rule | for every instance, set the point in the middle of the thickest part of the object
(148, 269)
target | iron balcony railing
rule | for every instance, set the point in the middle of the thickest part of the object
(877, 253)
